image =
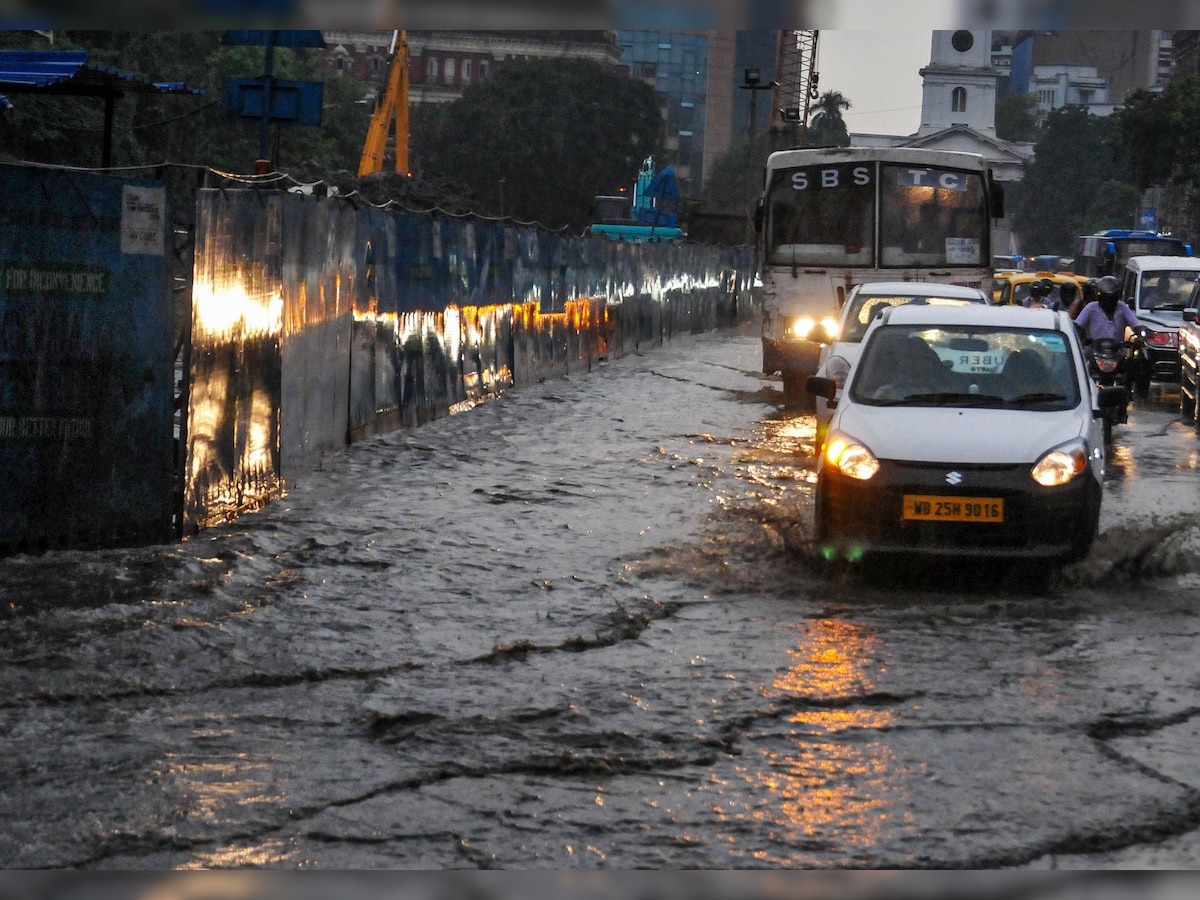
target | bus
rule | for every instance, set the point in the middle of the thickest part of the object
(833, 217)
(1106, 252)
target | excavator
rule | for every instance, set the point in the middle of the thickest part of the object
(391, 104)
(644, 219)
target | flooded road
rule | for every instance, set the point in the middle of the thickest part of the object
(580, 627)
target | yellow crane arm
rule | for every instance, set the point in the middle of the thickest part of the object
(390, 104)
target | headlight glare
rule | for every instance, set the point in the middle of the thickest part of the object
(803, 326)
(851, 458)
(1061, 465)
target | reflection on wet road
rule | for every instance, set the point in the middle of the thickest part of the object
(580, 626)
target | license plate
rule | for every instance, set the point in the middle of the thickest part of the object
(932, 508)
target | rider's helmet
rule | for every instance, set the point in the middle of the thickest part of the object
(1106, 292)
(1090, 289)
(1068, 292)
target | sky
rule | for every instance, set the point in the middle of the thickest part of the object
(879, 73)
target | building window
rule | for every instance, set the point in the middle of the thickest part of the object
(483, 68)
(958, 100)
(431, 70)
(466, 71)
(448, 73)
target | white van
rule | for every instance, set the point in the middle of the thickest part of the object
(1157, 288)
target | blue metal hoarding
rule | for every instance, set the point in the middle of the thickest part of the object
(86, 362)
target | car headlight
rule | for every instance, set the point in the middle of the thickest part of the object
(1061, 464)
(850, 457)
(837, 368)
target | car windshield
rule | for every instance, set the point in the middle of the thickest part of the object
(1166, 289)
(865, 307)
(966, 366)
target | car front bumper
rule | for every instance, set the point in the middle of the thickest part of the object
(1164, 364)
(866, 517)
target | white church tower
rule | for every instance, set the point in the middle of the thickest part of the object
(959, 83)
(958, 112)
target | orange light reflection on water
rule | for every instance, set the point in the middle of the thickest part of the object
(833, 784)
(219, 790)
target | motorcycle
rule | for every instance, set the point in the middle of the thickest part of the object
(1111, 365)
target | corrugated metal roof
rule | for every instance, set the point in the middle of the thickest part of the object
(68, 71)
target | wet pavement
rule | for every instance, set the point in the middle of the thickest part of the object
(580, 627)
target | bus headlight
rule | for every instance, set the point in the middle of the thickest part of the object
(850, 457)
(806, 328)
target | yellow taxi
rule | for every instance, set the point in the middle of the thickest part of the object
(1012, 288)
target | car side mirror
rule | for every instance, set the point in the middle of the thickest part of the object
(821, 387)
(1189, 314)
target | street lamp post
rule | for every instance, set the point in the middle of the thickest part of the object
(752, 82)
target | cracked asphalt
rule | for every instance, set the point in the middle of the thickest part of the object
(580, 627)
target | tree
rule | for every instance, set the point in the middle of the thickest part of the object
(1016, 118)
(543, 138)
(1074, 169)
(1159, 135)
(827, 127)
(1114, 201)
(737, 174)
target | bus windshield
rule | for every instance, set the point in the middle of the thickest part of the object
(822, 214)
(825, 215)
(932, 217)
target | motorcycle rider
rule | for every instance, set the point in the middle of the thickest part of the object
(1039, 294)
(1068, 294)
(1108, 317)
(1087, 293)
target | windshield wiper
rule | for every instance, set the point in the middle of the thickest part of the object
(1041, 397)
(945, 398)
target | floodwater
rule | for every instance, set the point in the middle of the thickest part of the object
(579, 627)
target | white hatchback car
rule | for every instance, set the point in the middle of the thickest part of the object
(864, 303)
(969, 431)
